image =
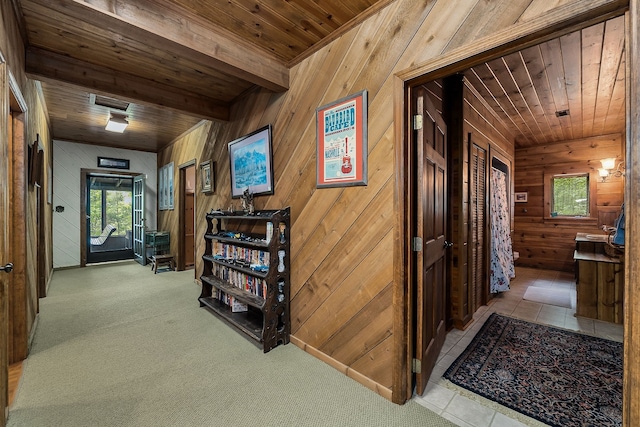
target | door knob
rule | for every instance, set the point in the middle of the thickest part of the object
(7, 268)
(447, 244)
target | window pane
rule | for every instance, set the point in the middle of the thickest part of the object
(571, 196)
(119, 211)
(96, 212)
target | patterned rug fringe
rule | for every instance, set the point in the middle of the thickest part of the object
(528, 421)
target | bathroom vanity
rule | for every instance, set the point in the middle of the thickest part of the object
(599, 279)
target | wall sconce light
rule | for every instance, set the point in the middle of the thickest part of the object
(609, 168)
(117, 123)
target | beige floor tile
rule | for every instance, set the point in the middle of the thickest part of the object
(470, 411)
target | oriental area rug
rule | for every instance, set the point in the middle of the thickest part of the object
(555, 376)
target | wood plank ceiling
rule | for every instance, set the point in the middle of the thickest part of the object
(176, 62)
(180, 61)
(568, 88)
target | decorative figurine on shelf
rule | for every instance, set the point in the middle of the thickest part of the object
(282, 226)
(247, 202)
(281, 261)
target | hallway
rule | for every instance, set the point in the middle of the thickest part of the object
(442, 400)
(466, 412)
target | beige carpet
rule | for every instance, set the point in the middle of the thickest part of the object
(560, 297)
(117, 345)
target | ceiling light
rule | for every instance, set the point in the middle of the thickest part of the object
(117, 124)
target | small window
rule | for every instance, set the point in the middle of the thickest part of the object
(570, 196)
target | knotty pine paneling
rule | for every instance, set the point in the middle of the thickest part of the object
(341, 311)
(547, 242)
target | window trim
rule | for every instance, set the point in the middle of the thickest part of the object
(593, 196)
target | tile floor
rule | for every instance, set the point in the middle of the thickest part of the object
(470, 413)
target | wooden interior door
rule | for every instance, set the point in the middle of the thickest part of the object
(478, 207)
(431, 225)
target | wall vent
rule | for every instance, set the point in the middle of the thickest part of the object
(105, 101)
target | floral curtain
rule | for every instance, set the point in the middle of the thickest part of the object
(502, 269)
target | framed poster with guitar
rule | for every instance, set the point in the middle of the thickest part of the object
(341, 128)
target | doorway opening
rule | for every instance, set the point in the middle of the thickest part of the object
(187, 216)
(109, 207)
(439, 69)
(187, 219)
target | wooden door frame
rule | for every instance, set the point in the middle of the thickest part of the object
(83, 205)
(182, 174)
(4, 243)
(559, 21)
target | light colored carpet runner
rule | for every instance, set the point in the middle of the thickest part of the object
(117, 345)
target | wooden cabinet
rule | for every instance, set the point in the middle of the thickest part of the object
(245, 281)
(599, 280)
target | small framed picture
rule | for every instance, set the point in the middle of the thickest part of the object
(108, 162)
(521, 197)
(207, 177)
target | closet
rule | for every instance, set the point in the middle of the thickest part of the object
(478, 228)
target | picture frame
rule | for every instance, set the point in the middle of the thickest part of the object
(207, 177)
(169, 186)
(521, 197)
(161, 185)
(165, 187)
(251, 163)
(342, 133)
(111, 163)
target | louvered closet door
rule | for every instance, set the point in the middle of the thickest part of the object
(478, 227)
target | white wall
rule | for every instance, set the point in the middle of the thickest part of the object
(68, 159)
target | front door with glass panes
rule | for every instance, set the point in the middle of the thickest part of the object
(109, 217)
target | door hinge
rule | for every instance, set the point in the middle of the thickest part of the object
(417, 122)
(416, 366)
(416, 244)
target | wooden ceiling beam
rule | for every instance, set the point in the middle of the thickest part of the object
(182, 34)
(48, 66)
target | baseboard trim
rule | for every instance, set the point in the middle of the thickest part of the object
(341, 367)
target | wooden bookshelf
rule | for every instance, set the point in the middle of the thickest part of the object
(245, 281)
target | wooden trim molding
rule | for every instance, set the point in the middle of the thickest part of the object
(341, 367)
(631, 367)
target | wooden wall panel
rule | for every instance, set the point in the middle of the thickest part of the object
(491, 134)
(342, 236)
(549, 243)
(23, 96)
(186, 148)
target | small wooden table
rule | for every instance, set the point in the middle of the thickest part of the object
(158, 260)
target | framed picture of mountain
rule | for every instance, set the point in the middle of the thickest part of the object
(251, 163)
